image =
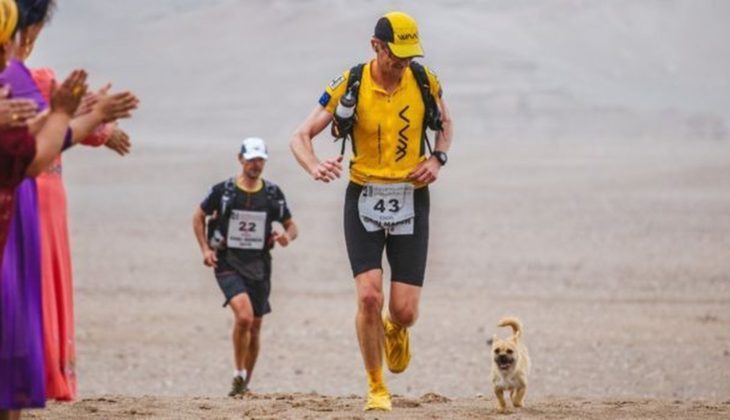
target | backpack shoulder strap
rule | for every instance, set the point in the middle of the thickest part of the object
(230, 184)
(419, 72)
(431, 114)
(270, 188)
(355, 76)
(345, 129)
(272, 196)
(229, 193)
(424, 85)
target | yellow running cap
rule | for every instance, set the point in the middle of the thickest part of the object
(400, 31)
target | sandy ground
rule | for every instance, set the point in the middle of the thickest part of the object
(588, 193)
(428, 406)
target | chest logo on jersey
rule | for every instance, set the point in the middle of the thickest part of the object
(402, 147)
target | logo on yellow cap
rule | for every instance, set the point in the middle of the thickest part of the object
(408, 37)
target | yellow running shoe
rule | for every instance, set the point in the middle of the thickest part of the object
(378, 399)
(397, 346)
(378, 395)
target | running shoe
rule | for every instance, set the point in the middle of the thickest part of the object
(238, 387)
(397, 346)
(378, 399)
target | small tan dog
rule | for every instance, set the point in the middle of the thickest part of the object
(510, 365)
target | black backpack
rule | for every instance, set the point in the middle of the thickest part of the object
(431, 116)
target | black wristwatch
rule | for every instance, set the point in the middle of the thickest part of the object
(441, 157)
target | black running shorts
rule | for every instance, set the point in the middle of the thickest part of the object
(406, 253)
(232, 283)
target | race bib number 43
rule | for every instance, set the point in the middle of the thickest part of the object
(246, 229)
(387, 206)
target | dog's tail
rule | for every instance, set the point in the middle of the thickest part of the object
(510, 321)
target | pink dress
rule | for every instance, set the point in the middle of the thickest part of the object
(59, 346)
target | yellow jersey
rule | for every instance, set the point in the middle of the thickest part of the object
(387, 141)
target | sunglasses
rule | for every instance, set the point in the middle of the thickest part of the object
(386, 48)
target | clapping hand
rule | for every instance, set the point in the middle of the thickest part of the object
(67, 97)
(15, 113)
(114, 106)
(119, 141)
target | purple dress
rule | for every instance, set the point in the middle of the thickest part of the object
(22, 370)
(22, 374)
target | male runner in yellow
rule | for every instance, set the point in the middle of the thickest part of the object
(387, 199)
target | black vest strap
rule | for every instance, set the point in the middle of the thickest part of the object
(230, 191)
(431, 114)
(354, 76)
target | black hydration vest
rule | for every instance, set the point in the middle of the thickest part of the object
(230, 191)
(215, 226)
(431, 116)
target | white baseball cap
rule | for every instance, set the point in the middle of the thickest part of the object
(253, 147)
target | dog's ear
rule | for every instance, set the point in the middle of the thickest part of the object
(491, 341)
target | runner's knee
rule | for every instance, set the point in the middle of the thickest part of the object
(371, 300)
(244, 320)
(404, 315)
(369, 293)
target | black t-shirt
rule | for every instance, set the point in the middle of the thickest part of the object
(248, 228)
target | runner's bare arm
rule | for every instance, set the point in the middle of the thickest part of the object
(444, 137)
(209, 257)
(301, 145)
(291, 229)
(427, 171)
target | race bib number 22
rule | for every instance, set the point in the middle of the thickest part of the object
(246, 229)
